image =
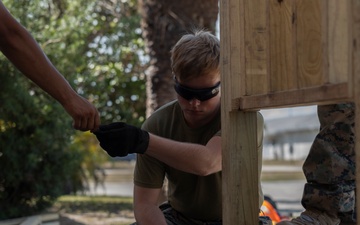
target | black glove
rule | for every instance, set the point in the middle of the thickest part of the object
(121, 139)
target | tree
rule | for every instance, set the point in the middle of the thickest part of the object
(34, 158)
(163, 23)
(97, 46)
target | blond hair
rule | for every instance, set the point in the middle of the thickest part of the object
(195, 54)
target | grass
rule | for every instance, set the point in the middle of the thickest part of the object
(84, 204)
(94, 210)
(284, 162)
(276, 176)
(282, 175)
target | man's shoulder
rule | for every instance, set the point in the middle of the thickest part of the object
(162, 114)
(170, 105)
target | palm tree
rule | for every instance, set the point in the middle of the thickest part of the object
(163, 23)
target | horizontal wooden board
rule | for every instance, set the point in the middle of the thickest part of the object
(324, 94)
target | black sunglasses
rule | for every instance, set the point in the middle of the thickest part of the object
(202, 94)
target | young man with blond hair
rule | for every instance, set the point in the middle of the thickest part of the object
(180, 141)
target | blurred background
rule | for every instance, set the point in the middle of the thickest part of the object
(116, 54)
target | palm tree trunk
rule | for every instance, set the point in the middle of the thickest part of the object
(163, 23)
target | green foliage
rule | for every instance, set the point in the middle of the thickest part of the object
(97, 46)
(34, 156)
(86, 145)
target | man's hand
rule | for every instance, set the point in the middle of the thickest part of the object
(121, 139)
(85, 115)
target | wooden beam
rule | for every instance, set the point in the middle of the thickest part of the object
(309, 39)
(338, 40)
(240, 189)
(282, 50)
(325, 94)
(240, 171)
(256, 34)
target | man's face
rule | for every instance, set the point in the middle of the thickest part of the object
(199, 98)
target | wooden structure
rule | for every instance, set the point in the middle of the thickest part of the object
(280, 53)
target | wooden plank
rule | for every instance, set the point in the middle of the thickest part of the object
(282, 51)
(232, 56)
(239, 207)
(309, 43)
(226, 90)
(256, 46)
(339, 40)
(239, 172)
(324, 94)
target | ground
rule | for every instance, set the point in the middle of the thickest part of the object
(116, 210)
(97, 218)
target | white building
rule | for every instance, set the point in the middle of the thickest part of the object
(289, 137)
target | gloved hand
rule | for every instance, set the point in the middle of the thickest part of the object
(121, 139)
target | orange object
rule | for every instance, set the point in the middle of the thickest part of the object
(267, 209)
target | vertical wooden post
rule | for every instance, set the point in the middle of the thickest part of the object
(240, 170)
(240, 157)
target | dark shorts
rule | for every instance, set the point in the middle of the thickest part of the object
(174, 217)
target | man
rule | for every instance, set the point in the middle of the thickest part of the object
(329, 194)
(17, 44)
(181, 141)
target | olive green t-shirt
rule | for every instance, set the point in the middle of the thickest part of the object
(197, 197)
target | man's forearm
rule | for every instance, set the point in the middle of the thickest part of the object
(192, 158)
(23, 51)
(146, 215)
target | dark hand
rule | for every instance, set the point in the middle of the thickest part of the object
(121, 139)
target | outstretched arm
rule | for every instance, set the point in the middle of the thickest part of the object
(23, 51)
(193, 158)
(120, 139)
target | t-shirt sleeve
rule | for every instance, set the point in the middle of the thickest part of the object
(149, 172)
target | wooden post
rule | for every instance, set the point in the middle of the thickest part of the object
(240, 190)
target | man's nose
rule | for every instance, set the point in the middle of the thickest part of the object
(194, 102)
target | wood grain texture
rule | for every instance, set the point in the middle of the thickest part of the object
(309, 43)
(339, 40)
(256, 46)
(240, 170)
(282, 38)
(240, 201)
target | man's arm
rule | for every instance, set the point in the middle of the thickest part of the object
(192, 158)
(146, 207)
(23, 51)
(120, 139)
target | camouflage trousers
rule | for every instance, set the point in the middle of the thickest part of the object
(330, 166)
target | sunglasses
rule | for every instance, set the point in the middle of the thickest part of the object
(202, 94)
